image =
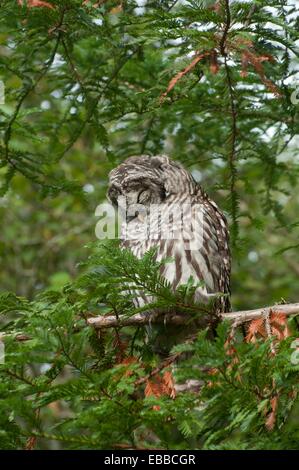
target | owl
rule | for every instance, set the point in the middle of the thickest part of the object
(167, 209)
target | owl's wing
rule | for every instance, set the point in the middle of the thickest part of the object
(215, 250)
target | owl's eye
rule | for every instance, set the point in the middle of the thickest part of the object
(143, 196)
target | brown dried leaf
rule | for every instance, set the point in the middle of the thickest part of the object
(229, 348)
(30, 444)
(169, 384)
(256, 62)
(214, 66)
(36, 4)
(116, 9)
(216, 7)
(279, 325)
(158, 386)
(95, 5)
(127, 362)
(256, 327)
(281, 320)
(154, 387)
(271, 418)
(244, 64)
(183, 72)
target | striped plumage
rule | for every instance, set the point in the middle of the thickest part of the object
(163, 184)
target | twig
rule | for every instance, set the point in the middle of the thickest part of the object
(96, 101)
(170, 360)
(172, 5)
(138, 319)
(248, 315)
(269, 329)
(74, 70)
(147, 134)
(226, 28)
(18, 337)
(27, 90)
(233, 112)
(26, 380)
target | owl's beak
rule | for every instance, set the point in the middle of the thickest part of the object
(129, 218)
(138, 215)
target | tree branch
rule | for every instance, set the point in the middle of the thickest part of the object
(232, 140)
(226, 28)
(248, 315)
(237, 318)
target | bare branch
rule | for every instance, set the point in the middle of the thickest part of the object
(248, 315)
(17, 337)
(139, 319)
(238, 317)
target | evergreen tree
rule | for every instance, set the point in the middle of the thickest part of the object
(88, 84)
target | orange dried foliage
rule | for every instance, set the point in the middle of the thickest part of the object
(95, 5)
(117, 9)
(55, 407)
(229, 348)
(36, 4)
(255, 327)
(216, 7)
(169, 384)
(154, 388)
(127, 362)
(214, 66)
(248, 56)
(181, 74)
(244, 65)
(30, 444)
(256, 61)
(213, 371)
(231, 351)
(158, 386)
(271, 418)
(279, 328)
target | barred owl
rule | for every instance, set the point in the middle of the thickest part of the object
(167, 209)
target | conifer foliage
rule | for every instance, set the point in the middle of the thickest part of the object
(88, 84)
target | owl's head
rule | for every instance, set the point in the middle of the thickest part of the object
(148, 180)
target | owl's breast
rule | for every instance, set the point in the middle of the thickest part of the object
(178, 235)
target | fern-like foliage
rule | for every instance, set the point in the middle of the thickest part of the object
(62, 381)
